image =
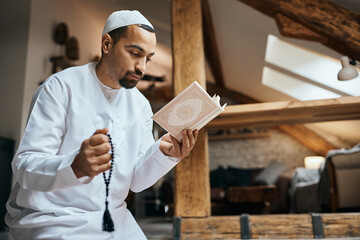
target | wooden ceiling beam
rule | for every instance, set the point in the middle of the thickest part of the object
(210, 45)
(308, 138)
(290, 28)
(288, 112)
(338, 25)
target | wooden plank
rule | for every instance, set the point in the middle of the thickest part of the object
(274, 226)
(288, 112)
(349, 225)
(290, 28)
(211, 46)
(337, 24)
(220, 225)
(192, 184)
(289, 226)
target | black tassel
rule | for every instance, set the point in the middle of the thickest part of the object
(108, 224)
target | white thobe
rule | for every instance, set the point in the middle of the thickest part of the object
(48, 201)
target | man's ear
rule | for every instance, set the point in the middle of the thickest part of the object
(106, 43)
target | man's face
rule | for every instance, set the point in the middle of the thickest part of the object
(130, 56)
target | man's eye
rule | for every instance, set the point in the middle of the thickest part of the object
(148, 59)
(135, 53)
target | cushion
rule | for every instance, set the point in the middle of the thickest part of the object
(242, 176)
(270, 174)
(222, 178)
(346, 160)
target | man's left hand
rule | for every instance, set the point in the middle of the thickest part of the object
(172, 148)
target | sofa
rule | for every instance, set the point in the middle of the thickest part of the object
(254, 190)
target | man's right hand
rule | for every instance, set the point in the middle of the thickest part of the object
(94, 156)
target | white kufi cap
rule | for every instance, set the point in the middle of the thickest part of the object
(124, 18)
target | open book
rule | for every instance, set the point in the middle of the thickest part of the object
(192, 109)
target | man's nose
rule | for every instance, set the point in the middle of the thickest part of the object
(141, 65)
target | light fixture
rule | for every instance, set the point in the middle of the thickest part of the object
(347, 72)
(313, 162)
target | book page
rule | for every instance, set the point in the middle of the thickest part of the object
(190, 107)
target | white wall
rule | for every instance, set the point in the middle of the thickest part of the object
(14, 28)
(45, 15)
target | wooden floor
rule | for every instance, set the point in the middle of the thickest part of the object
(156, 228)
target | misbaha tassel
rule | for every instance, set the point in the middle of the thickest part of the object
(108, 224)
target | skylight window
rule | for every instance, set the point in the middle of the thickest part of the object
(294, 87)
(317, 72)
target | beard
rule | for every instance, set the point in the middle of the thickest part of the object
(129, 83)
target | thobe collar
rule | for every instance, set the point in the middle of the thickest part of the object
(109, 92)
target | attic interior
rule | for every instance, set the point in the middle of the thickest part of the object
(274, 62)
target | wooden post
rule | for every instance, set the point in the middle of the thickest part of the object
(192, 185)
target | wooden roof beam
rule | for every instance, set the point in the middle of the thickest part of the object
(210, 45)
(290, 28)
(339, 26)
(288, 112)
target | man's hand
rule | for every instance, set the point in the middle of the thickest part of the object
(94, 156)
(172, 148)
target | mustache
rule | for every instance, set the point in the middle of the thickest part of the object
(138, 73)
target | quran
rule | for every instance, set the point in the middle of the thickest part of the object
(192, 109)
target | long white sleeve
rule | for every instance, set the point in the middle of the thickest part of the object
(36, 164)
(153, 164)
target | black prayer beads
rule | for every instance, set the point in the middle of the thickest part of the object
(108, 224)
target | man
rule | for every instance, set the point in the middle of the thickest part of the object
(60, 163)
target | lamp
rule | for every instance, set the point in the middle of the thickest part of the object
(313, 162)
(347, 72)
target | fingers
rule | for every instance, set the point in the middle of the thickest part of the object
(189, 139)
(196, 134)
(104, 159)
(104, 167)
(101, 131)
(185, 141)
(98, 138)
(94, 156)
(97, 168)
(100, 149)
(176, 146)
(170, 146)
